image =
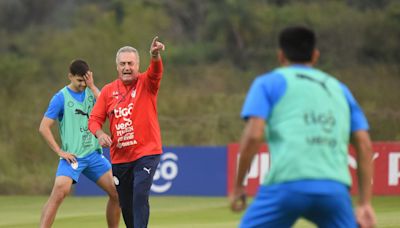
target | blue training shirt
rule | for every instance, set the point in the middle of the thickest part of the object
(56, 105)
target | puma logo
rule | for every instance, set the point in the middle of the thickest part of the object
(80, 112)
(147, 169)
(322, 84)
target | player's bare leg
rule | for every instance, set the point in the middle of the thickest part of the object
(113, 212)
(61, 188)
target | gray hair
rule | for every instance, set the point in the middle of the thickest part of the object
(126, 49)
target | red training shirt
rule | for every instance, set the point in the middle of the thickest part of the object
(132, 112)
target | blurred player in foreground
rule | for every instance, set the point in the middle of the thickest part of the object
(309, 118)
(80, 151)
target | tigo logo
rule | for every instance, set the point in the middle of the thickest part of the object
(123, 112)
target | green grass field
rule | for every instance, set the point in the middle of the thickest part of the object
(174, 212)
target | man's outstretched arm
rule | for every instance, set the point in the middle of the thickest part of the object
(155, 70)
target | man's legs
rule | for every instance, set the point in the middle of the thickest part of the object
(106, 182)
(144, 171)
(61, 188)
(123, 174)
(98, 170)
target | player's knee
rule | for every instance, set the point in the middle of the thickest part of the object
(60, 191)
(113, 195)
(58, 195)
(111, 192)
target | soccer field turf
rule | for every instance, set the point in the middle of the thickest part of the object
(171, 212)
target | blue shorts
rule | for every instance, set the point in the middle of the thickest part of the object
(93, 166)
(281, 205)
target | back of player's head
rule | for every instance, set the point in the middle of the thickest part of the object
(297, 43)
(78, 67)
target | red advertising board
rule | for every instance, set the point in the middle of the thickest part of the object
(386, 179)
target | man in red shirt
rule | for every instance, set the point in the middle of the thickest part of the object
(130, 104)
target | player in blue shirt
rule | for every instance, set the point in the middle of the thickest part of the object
(311, 119)
(80, 152)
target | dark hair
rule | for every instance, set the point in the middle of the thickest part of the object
(78, 67)
(297, 43)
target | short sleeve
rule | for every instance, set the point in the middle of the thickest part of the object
(264, 93)
(56, 107)
(358, 121)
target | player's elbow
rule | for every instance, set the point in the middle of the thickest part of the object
(42, 129)
(361, 139)
(363, 145)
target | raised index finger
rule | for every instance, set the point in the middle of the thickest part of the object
(155, 39)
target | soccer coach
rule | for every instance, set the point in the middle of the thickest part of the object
(130, 104)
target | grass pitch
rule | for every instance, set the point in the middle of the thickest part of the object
(166, 212)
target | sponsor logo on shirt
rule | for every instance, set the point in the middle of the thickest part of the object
(123, 112)
(125, 130)
(81, 112)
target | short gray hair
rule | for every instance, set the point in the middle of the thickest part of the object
(126, 49)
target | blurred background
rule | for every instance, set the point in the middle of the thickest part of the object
(214, 49)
